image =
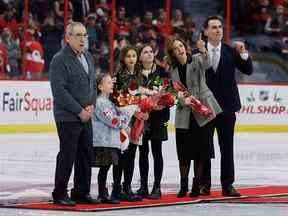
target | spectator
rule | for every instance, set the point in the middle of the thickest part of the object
(34, 56)
(160, 22)
(4, 65)
(14, 54)
(122, 28)
(148, 19)
(261, 15)
(41, 9)
(177, 20)
(51, 36)
(91, 29)
(8, 20)
(121, 13)
(59, 12)
(276, 22)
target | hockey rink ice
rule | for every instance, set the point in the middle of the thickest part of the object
(27, 164)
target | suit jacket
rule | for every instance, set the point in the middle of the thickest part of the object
(72, 88)
(222, 82)
(196, 84)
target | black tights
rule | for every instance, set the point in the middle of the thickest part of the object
(127, 164)
(156, 146)
(102, 177)
(184, 166)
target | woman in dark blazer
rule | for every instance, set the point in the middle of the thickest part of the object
(193, 139)
(155, 127)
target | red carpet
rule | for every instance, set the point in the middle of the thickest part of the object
(255, 200)
(251, 194)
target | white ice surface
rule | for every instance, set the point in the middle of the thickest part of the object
(27, 163)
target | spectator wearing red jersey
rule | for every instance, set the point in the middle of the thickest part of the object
(34, 57)
(4, 65)
(13, 52)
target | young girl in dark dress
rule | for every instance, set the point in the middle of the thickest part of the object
(194, 139)
(127, 81)
(156, 126)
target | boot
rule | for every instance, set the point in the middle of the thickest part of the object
(195, 191)
(143, 191)
(128, 195)
(116, 193)
(183, 187)
(155, 193)
(103, 197)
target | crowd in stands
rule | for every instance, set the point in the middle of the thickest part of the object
(45, 33)
(268, 20)
(44, 36)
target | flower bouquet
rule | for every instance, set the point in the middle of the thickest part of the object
(145, 105)
(195, 104)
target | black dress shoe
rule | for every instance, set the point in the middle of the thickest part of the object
(84, 199)
(195, 192)
(182, 193)
(183, 187)
(155, 193)
(204, 191)
(128, 195)
(230, 191)
(63, 200)
(108, 200)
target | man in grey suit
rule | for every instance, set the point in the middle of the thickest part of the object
(72, 79)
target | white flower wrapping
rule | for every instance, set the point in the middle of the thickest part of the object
(126, 114)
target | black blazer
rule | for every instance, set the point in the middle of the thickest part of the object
(223, 83)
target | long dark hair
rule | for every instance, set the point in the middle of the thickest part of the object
(140, 49)
(123, 53)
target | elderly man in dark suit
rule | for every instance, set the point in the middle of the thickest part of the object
(220, 79)
(72, 78)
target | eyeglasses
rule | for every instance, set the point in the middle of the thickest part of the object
(79, 36)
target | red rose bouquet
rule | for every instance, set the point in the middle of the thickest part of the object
(145, 105)
(195, 104)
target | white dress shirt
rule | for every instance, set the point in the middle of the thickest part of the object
(84, 62)
(214, 55)
(217, 52)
